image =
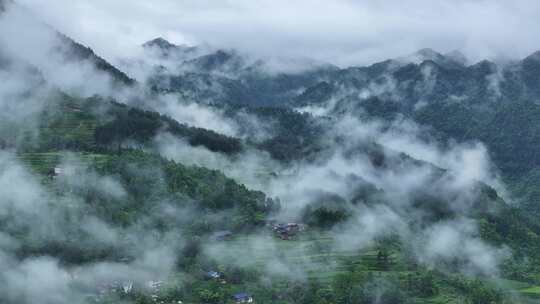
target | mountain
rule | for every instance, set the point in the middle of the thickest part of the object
(458, 100)
(454, 59)
(223, 178)
(166, 49)
(63, 50)
(76, 52)
(159, 43)
(101, 145)
(423, 76)
(457, 57)
(228, 77)
(493, 103)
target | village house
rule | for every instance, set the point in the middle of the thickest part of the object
(213, 275)
(243, 297)
(73, 108)
(286, 231)
(125, 287)
(55, 172)
(224, 235)
(155, 285)
(216, 276)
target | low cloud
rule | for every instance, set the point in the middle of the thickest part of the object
(458, 242)
(343, 32)
(28, 205)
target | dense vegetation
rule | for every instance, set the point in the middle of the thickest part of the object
(131, 124)
(384, 272)
(289, 135)
(76, 52)
(101, 180)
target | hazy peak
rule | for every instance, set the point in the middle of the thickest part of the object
(451, 60)
(534, 56)
(457, 57)
(427, 54)
(159, 42)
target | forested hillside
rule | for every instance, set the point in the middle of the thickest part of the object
(217, 177)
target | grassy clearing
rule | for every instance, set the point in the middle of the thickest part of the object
(505, 284)
(531, 291)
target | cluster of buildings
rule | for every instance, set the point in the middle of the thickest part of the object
(127, 287)
(216, 276)
(55, 172)
(155, 287)
(241, 297)
(286, 231)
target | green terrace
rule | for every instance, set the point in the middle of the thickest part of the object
(42, 163)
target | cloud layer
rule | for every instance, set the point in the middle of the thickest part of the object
(342, 31)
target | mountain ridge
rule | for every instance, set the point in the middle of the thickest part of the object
(363, 184)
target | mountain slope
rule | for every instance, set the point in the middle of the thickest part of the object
(228, 77)
(493, 103)
(74, 51)
(93, 208)
(50, 51)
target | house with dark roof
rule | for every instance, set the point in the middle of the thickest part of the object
(55, 172)
(286, 231)
(213, 275)
(222, 235)
(243, 297)
(155, 285)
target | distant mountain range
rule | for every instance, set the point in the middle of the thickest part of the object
(461, 101)
(425, 76)
(492, 102)
(496, 103)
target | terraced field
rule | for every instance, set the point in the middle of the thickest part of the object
(42, 163)
(313, 255)
(69, 125)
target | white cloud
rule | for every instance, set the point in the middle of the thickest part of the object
(341, 31)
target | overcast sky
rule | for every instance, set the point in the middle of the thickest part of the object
(343, 32)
